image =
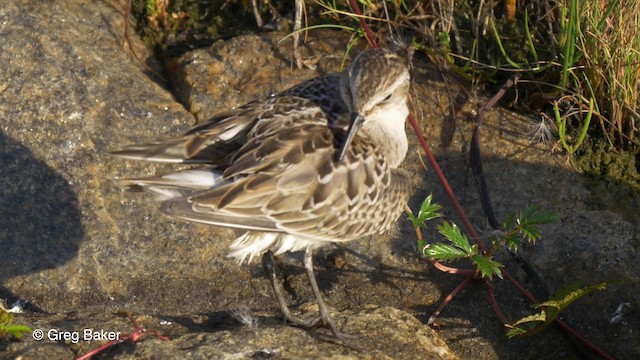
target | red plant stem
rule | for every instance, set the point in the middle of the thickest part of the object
(532, 299)
(451, 270)
(583, 341)
(496, 307)
(367, 32)
(451, 295)
(443, 181)
(138, 333)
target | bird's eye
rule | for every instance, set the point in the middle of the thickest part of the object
(387, 98)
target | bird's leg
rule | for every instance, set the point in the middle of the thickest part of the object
(269, 267)
(325, 319)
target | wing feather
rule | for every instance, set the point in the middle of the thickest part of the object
(278, 181)
(278, 172)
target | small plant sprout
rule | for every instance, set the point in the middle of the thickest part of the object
(7, 327)
(516, 229)
(461, 248)
(524, 227)
(428, 211)
(572, 147)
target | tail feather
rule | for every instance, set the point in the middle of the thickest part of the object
(171, 151)
(182, 208)
(177, 184)
(212, 142)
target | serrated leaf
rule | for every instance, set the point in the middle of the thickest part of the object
(428, 211)
(512, 241)
(534, 324)
(487, 266)
(539, 317)
(516, 332)
(508, 223)
(530, 219)
(527, 224)
(564, 298)
(443, 252)
(452, 233)
(552, 308)
(534, 215)
(530, 232)
(18, 330)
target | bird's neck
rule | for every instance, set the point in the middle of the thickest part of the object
(386, 127)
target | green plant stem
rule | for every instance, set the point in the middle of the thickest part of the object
(529, 37)
(570, 34)
(585, 126)
(502, 51)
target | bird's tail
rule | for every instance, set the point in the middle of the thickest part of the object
(177, 184)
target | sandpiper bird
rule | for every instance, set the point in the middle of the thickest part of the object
(313, 165)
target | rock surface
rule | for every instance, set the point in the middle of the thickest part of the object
(82, 252)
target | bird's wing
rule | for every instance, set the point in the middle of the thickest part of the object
(215, 140)
(286, 179)
(210, 142)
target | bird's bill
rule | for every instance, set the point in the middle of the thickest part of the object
(354, 125)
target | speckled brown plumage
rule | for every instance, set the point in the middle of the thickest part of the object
(286, 170)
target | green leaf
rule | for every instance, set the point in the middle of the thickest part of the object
(534, 324)
(443, 252)
(534, 215)
(566, 296)
(486, 266)
(530, 232)
(18, 330)
(539, 317)
(428, 211)
(508, 222)
(525, 226)
(452, 233)
(512, 241)
(551, 308)
(7, 327)
(516, 332)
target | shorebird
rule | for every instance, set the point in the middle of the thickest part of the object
(299, 170)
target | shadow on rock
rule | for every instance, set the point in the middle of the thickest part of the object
(39, 217)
